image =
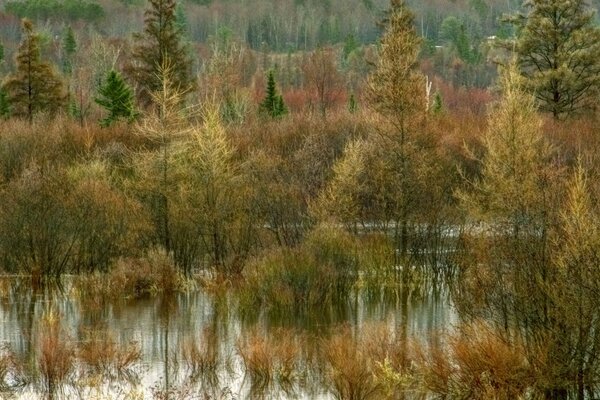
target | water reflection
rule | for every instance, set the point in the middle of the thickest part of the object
(190, 342)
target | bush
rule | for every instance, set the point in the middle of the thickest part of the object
(320, 272)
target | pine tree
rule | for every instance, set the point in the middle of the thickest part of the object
(117, 98)
(273, 104)
(438, 104)
(159, 44)
(35, 86)
(352, 105)
(558, 54)
(4, 105)
(69, 47)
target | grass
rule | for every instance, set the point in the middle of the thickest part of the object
(55, 357)
(132, 278)
(100, 354)
(201, 356)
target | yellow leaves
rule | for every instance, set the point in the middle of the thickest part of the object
(340, 197)
(515, 166)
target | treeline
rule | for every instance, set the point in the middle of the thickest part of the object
(302, 205)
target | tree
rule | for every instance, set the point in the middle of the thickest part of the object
(273, 104)
(322, 76)
(69, 47)
(506, 271)
(35, 86)
(557, 51)
(4, 104)
(396, 90)
(117, 98)
(160, 42)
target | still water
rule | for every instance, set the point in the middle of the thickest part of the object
(161, 326)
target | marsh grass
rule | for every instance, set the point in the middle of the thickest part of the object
(132, 278)
(201, 356)
(477, 363)
(272, 360)
(100, 354)
(55, 355)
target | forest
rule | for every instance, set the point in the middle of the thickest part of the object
(358, 199)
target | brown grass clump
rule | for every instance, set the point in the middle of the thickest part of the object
(268, 359)
(100, 353)
(201, 357)
(475, 363)
(258, 358)
(349, 371)
(55, 359)
(133, 277)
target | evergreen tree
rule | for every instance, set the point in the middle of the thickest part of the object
(1, 52)
(558, 53)
(69, 47)
(4, 105)
(438, 105)
(117, 98)
(159, 44)
(35, 86)
(273, 104)
(352, 105)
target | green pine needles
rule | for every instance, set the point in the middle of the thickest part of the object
(117, 98)
(273, 104)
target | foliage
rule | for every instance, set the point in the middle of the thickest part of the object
(557, 52)
(117, 98)
(35, 87)
(273, 104)
(160, 44)
(42, 10)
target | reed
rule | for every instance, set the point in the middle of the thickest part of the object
(56, 358)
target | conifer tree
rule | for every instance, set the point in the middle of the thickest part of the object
(273, 104)
(4, 105)
(69, 47)
(117, 98)
(35, 86)
(558, 53)
(159, 44)
(397, 94)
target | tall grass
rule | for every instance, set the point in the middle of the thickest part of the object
(55, 355)
(100, 354)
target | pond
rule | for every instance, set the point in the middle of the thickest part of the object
(192, 345)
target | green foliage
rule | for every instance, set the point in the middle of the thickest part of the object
(273, 104)
(557, 52)
(35, 86)
(352, 104)
(1, 53)
(181, 21)
(160, 44)
(117, 98)
(69, 47)
(455, 32)
(42, 10)
(317, 274)
(438, 105)
(4, 104)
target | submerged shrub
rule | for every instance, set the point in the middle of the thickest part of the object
(319, 272)
(133, 277)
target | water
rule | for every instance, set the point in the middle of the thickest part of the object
(162, 325)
